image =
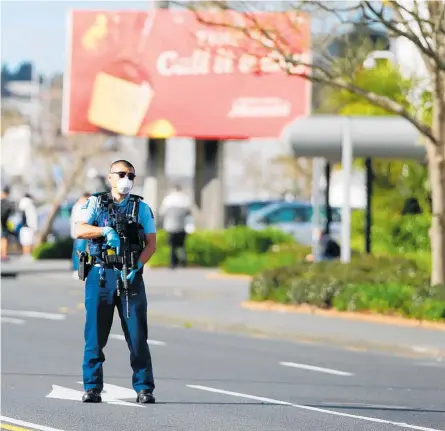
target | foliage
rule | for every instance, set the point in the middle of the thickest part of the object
(388, 285)
(340, 69)
(252, 263)
(398, 178)
(204, 248)
(384, 79)
(211, 248)
(60, 249)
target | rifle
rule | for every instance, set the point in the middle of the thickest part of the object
(126, 256)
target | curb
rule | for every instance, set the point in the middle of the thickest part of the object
(345, 315)
(344, 344)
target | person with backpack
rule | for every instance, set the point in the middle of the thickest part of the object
(7, 211)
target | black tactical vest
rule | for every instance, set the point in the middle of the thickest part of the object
(134, 231)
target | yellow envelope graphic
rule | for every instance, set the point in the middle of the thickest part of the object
(160, 129)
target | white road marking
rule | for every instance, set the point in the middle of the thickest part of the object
(33, 314)
(364, 406)
(12, 320)
(117, 392)
(109, 397)
(27, 424)
(312, 368)
(432, 364)
(313, 409)
(151, 342)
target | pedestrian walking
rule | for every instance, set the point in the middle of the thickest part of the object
(174, 210)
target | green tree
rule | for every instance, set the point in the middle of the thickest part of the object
(400, 179)
(421, 24)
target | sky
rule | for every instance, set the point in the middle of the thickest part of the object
(36, 30)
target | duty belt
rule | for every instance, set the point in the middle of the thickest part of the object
(112, 260)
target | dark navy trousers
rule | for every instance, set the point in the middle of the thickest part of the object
(99, 305)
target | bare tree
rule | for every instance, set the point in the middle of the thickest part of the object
(421, 23)
(297, 172)
(78, 152)
(70, 154)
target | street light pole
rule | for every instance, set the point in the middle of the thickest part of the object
(346, 164)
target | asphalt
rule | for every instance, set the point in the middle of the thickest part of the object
(202, 299)
(205, 380)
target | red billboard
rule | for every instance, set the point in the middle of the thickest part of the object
(165, 73)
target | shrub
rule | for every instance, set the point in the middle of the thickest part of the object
(410, 233)
(393, 234)
(60, 249)
(278, 255)
(204, 248)
(252, 263)
(212, 248)
(377, 284)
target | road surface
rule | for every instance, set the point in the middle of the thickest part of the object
(205, 380)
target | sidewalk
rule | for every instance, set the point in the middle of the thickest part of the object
(201, 299)
(18, 265)
(197, 299)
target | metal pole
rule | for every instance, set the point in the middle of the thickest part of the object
(317, 171)
(346, 162)
(368, 216)
(327, 174)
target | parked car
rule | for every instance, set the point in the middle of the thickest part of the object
(61, 224)
(294, 218)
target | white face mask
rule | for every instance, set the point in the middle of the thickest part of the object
(124, 185)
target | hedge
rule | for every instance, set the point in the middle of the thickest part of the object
(212, 248)
(204, 248)
(60, 249)
(278, 255)
(387, 285)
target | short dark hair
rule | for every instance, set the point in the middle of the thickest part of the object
(126, 163)
(6, 190)
(86, 195)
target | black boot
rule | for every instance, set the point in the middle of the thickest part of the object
(145, 397)
(92, 396)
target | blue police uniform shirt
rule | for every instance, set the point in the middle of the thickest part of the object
(91, 212)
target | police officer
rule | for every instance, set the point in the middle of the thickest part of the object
(96, 223)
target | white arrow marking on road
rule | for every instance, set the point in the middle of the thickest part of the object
(33, 314)
(111, 396)
(312, 368)
(118, 392)
(151, 342)
(12, 320)
(313, 409)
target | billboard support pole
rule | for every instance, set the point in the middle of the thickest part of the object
(208, 185)
(155, 181)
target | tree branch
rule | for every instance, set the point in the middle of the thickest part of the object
(408, 33)
(319, 73)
